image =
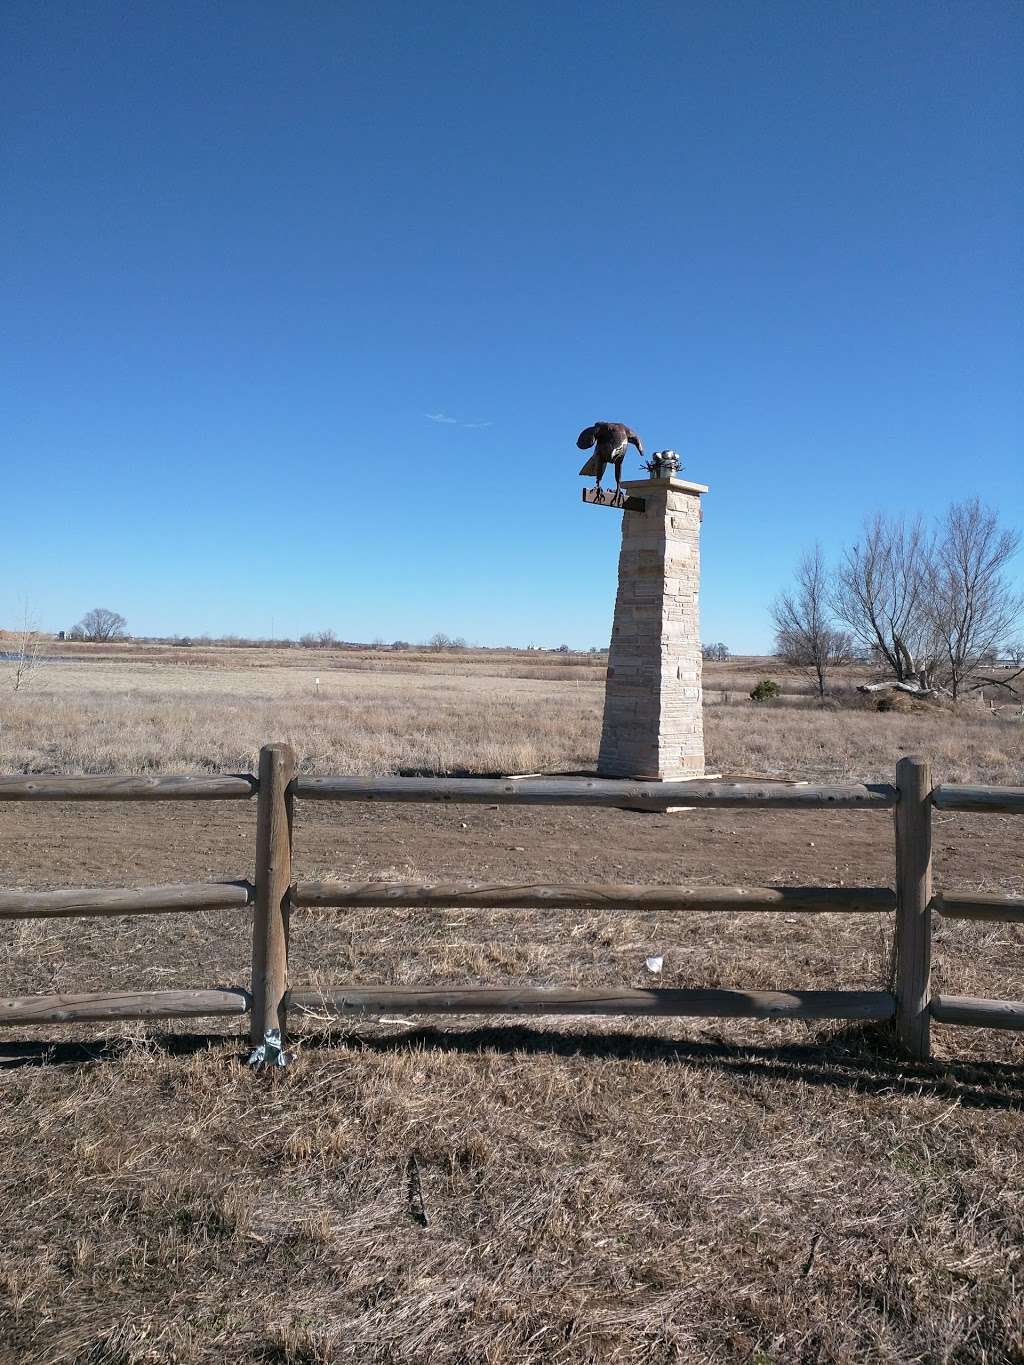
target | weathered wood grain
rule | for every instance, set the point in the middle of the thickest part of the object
(913, 896)
(585, 791)
(701, 1003)
(103, 1005)
(184, 787)
(978, 1013)
(273, 879)
(537, 896)
(998, 800)
(143, 900)
(979, 906)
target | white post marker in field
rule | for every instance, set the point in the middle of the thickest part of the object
(653, 709)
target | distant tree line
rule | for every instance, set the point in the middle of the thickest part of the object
(928, 602)
(102, 624)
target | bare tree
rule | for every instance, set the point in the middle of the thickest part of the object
(881, 592)
(28, 654)
(1015, 652)
(717, 653)
(806, 639)
(971, 604)
(100, 624)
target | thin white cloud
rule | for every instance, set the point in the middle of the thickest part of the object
(454, 421)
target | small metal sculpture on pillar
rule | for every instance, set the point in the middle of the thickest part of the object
(663, 464)
(653, 710)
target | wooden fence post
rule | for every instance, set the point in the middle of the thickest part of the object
(270, 917)
(913, 901)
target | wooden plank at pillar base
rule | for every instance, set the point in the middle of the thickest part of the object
(608, 497)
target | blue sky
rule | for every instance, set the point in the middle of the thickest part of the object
(246, 249)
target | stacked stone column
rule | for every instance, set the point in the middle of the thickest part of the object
(653, 709)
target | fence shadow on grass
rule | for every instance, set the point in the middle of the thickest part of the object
(863, 1058)
(17, 1053)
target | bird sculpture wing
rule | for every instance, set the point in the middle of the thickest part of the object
(611, 439)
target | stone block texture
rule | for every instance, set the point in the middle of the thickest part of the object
(653, 707)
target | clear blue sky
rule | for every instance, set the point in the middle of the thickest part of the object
(247, 248)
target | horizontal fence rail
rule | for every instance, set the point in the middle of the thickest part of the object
(584, 791)
(143, 900)
(274, 893)
(184, 787)
(700, 1003)
(997, 800)
(538, 896)
(979, 906)
(968, 1009)
(98, 1007)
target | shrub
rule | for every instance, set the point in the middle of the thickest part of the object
(766, 690)
(893, 701)
(905, 704)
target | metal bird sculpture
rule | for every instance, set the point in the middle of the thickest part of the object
(609, 440)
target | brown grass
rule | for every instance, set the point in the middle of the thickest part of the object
(618, 1199)
(633, 1192)
(114, 716)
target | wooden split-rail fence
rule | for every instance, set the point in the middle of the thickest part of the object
(274, 893)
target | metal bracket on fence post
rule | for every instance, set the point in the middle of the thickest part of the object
(271, 1051)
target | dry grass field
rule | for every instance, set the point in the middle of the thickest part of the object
(593, 1191)
(174, 710)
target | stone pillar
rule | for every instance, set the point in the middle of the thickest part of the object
(653, 719)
